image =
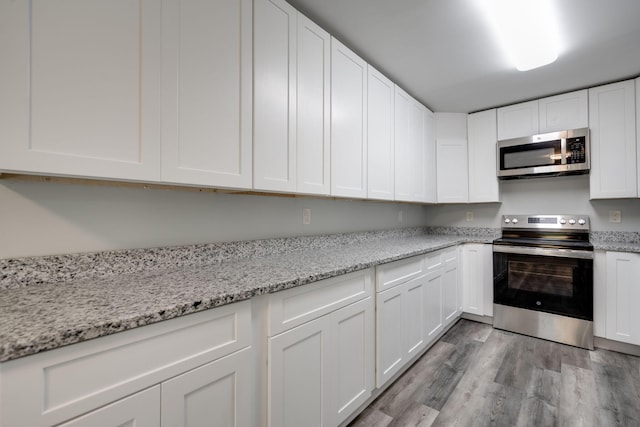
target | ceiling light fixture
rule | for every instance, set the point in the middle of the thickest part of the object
(527, 30)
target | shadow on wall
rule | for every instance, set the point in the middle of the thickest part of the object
(44, 218)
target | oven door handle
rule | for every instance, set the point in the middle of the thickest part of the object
(551, 252)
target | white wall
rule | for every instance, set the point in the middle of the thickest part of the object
(40, 218)
(562, 195)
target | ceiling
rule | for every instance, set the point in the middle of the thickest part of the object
(441, 52)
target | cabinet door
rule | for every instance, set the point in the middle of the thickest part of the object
(613, 141)
(389, 324)
(348, 122)
(451, 147)
(380, 146)
(220, 391)
(417, 140)
(450, 291)
(274, 120)
(79, 88)
(141, 410)
(414, 317)
(402, 147)
(565, 111)
(472, 283)
(207, 93)
(313, 108)
(350, 376)
(482, 133)
(433, 305)
(429, 166)
(298, 365)
(623, 294)
(518, 120)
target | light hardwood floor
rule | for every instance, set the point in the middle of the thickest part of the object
(480, 376)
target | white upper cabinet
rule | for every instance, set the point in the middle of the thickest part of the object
(274, 56)
(565, 111)
(207, 93)
(612, 123)
(482, 134)
(402, 146)
(414, 150)
(79, 89)
(518, 120)
(380, 144)
(451, 147)
(313, 108)
(348, 122)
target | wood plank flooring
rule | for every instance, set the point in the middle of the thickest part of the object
(480, 376)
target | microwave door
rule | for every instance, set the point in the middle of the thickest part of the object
(530, 158)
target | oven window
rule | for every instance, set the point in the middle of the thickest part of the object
(548, 278)
(530, 158)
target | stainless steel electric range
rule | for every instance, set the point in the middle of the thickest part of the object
(543, 278)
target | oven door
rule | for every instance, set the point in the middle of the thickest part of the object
(558, 281)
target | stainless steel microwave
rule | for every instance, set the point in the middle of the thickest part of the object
(550, 154)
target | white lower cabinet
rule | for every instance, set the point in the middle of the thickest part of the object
(417, 298)
(451, 294)
(200, 363)
(215, 393)
(322, 370)
(622, 296)
(140, 410)
(477, 279)
(400, 322)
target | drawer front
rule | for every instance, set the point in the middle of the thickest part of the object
(398, 272)
(433, 261)
(57, 385)
(293, 307)
(450, 255)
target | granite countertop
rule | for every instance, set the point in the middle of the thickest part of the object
(52, 307)
(621, 241)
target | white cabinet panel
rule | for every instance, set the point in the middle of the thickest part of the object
(451, 147)
(220, 391)
(351, 369)
(600, 294)
(403, 184)
(389, 321)
(612, 125)
(348, 122)
(565, 111)
(298, 363)
(483, 180)
(313, 105)
(274, 137)
(518, 120)
(450, 288)
(380, 142)
(477, 279)
(417, 141)
(79, 98)
(433, 310)
(141, 410)
(207, 93)
(623, 294)
(414, 150)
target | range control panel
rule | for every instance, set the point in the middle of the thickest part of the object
(555, 222)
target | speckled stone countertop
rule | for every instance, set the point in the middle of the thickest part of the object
(622, 241)
(49, 302)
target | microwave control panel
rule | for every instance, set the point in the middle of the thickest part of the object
(576, 150)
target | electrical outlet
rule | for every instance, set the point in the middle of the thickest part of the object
(400, 216)
(469, 216)
(615, 216)
(306, 216)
